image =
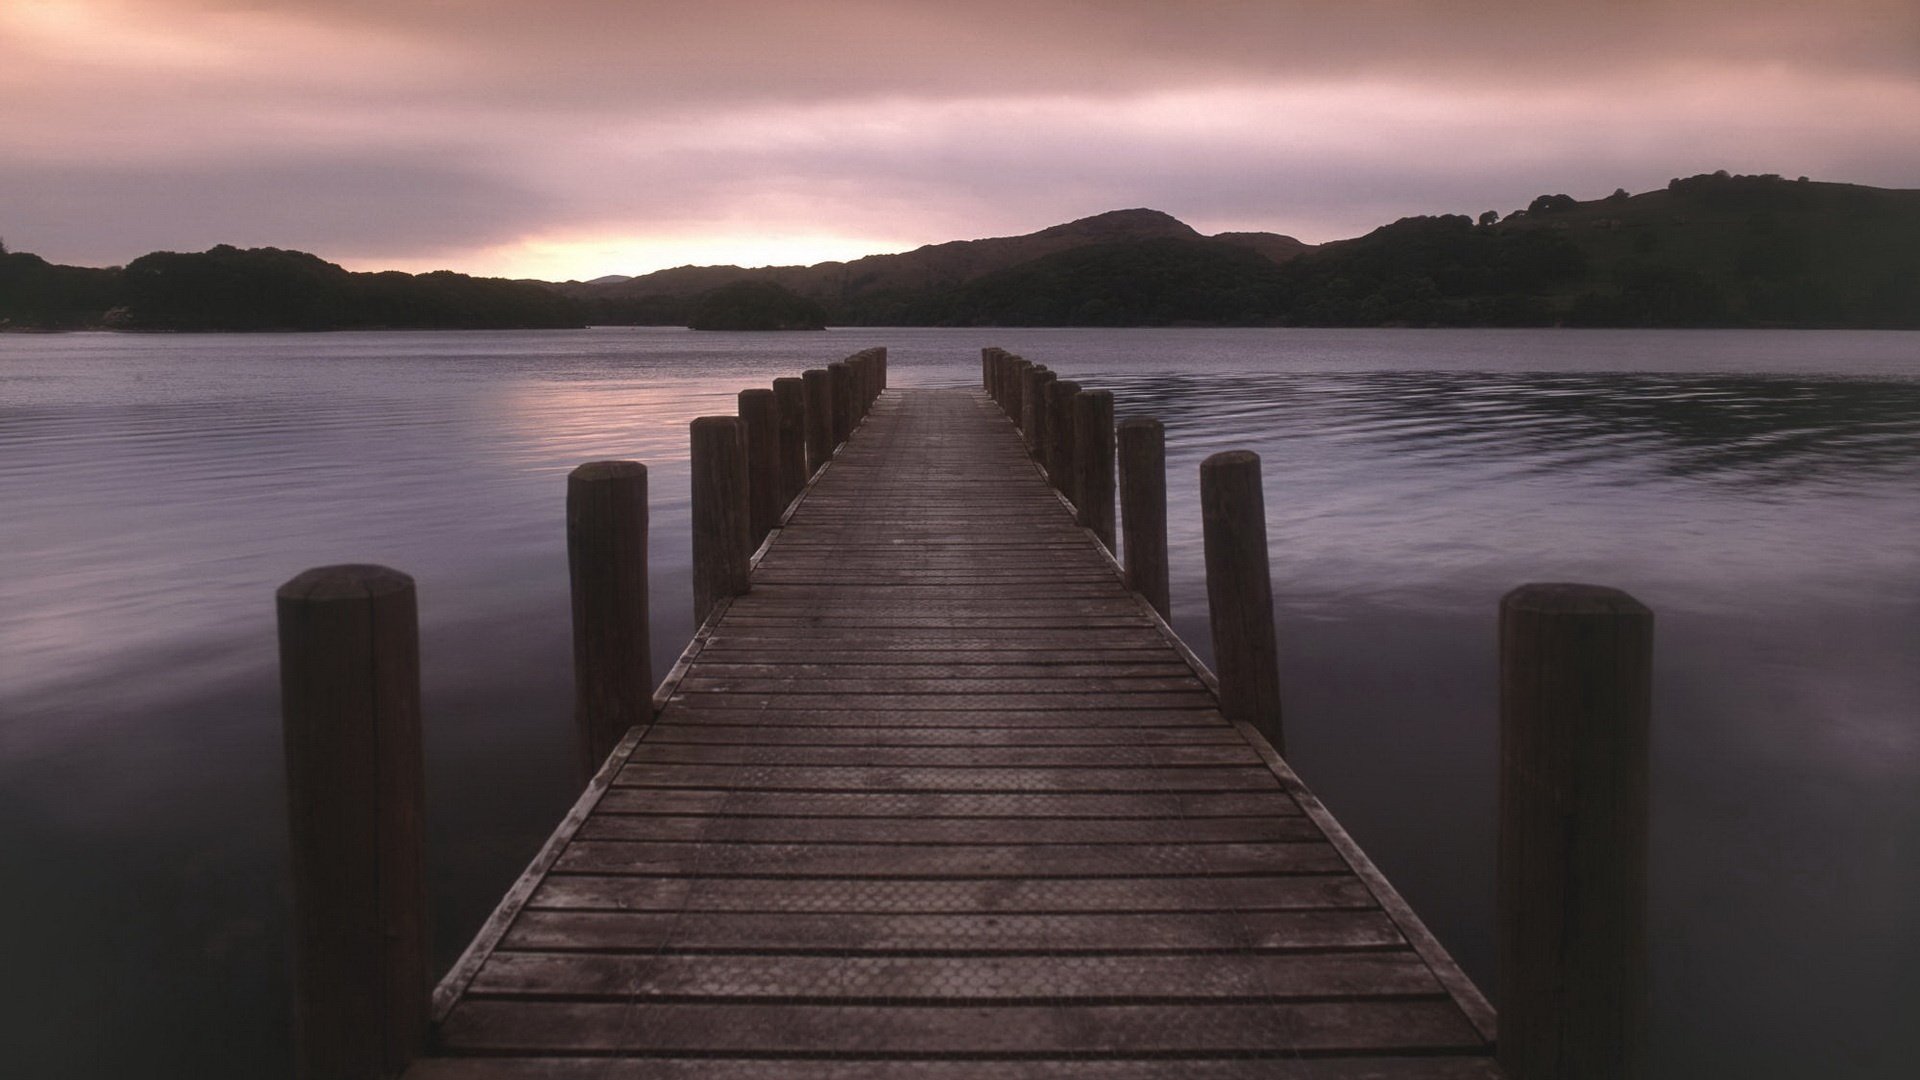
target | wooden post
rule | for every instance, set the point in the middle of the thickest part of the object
(1575, 701)
(350, 713)
(819, 388)
(1060, 434)
(1093, 462)
(1016, 383)
(720, 515)
(607, 566)
(840, 379)
(760, 423)
(856, 388)
(986, 368)
(882, 353)
(1143, 509)
(1033, 409)
(1233, 519)
(790, 402)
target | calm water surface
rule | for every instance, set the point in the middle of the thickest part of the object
(1760, 491)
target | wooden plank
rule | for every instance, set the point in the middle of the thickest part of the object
(973, 980)
(974, 831)
(831, 778)
(497, 1026)
(773, 733)
(938, 860)
(1192, 896)
(970, 933)
(1025, 805)
(1244, 1067)
(948, 757)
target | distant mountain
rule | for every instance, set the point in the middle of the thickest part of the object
(1708, 250)
(884, 288)
(260, 289)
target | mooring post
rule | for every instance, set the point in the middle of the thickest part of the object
(819, 393)
(840, 379)
(882, 352)
(1576, 682)
(1033, 409)
(986, 368)
(1093, 462)
(350, 715)
(607, 567)
(1016, 385)
(721, 518)
(1233, 519)
(857, 388)
(1143, 509)
(1060, 434)
(790, 402)
(760, 421)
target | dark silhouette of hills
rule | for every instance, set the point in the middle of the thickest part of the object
(262, 289)
(911, 287)
(1708, 250)
(755, 305)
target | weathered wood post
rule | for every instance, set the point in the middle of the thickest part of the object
(1060, 434)
(350, 714)
(882, 352)
(790, 402)
(840, 380)
(607, 566)
(1143, 509)
(1576, 683)
(1093, 462)
(1016, 383)
(1033, 409)
(721, 518)
(819, 390)
(1233, 519)
(857, 387)
(986, 369)
(760, 422)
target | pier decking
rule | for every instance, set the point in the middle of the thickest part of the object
(940, 797)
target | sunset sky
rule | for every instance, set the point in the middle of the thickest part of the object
(573, 138)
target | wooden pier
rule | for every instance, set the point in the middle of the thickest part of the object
(940, 796)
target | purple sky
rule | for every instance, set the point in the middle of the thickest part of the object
(573, 138)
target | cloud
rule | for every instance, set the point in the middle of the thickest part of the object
(489, 131)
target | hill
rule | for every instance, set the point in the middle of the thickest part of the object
(1709, 250)
(890, 289)
(257, 289)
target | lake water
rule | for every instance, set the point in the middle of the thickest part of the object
(1760, 491)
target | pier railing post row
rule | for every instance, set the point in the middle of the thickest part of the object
(721, 518)
(819, 390)
(1575, 701)
(607, 569)
(350, 711)
(840, 382)
(1093, 463)
(760, 423)
(1060, 435)
(1143, 509)
(790, 404)
(1246, 657)
(1033, 409)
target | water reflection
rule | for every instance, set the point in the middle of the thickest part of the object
(1741, 431)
